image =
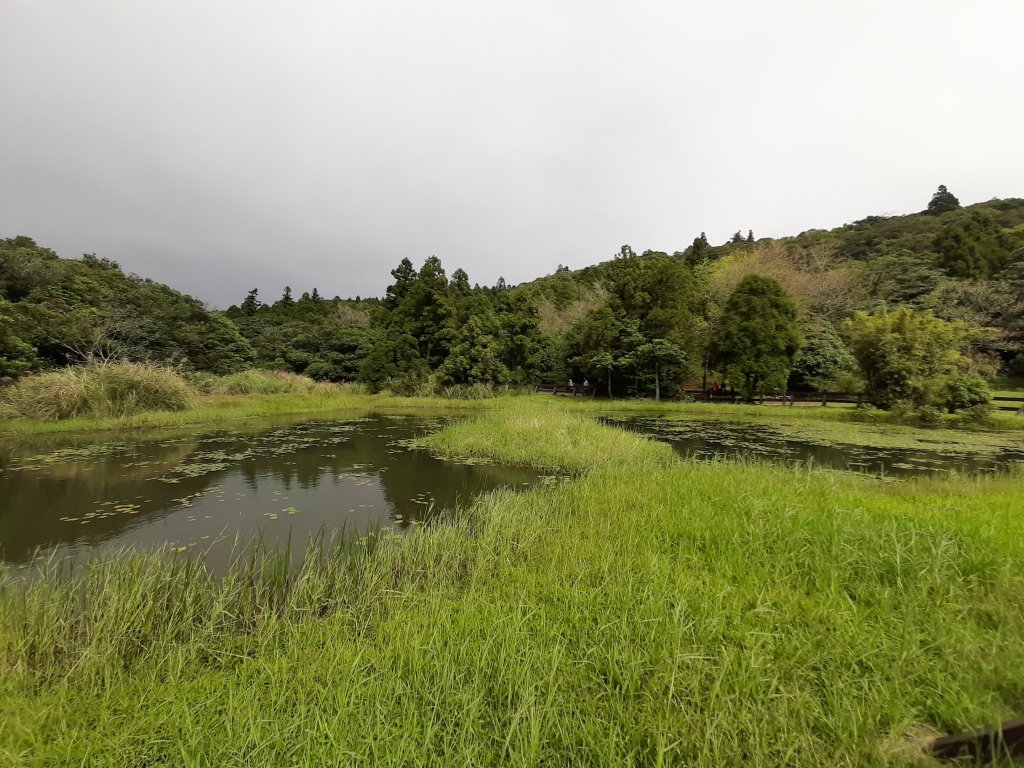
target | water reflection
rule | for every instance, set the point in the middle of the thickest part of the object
(197, 492)
(709, 439)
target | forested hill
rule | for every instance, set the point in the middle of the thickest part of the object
(960, 263)
(635, 324)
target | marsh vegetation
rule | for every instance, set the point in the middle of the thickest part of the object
(708, 613)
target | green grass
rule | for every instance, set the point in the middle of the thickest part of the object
(217, 408)
(648, 611)
(323, 398)
(107, 390)
(255, 382)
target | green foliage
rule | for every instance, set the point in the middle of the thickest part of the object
(974, 246)
(254, 382)
(97, 390)
(942, 201)
(902, 277)
(475, 358)
(649, 328)
(394, 358)
(757, 337)
(16, 356)
(598, 322)
(823, 360)
(662, 358)
(88, 310)
(967, 391)
(913, 359)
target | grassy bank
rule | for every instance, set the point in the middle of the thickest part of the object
(207, 408)
(647, 611)
(213, 408)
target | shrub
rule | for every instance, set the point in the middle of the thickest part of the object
(967, 390)
(254, 382)
(107, 389)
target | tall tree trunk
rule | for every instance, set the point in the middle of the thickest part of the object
(657, 389)
(609, 383)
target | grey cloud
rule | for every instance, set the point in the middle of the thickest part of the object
(219, 146)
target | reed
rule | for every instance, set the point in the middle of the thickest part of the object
(255, 382)
(103, 390)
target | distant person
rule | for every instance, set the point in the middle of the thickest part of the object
(586, 385)
(571, 384)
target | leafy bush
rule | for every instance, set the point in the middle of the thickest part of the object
(253, 382)
(106, 389)
(965, 391)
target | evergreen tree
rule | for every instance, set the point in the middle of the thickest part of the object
(251, 303)
(974, 247)
(942, 201)
(698, 252)
(405, 277)
(757, 336)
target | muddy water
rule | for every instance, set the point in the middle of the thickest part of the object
(198, 491)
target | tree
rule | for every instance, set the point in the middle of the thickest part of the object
(475, 358)
(395, 356)
(16, 356)
(698, 252)
(757, 337)
(911, 358)
(460, 282)
(974, 246)
(660, 357)
(251, 303)
(823, 361)
(595, 343)
(942, 201)
(405, 277)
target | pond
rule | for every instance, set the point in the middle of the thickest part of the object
(899, 452)
(198, 491)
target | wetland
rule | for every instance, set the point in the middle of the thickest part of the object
(200, 490)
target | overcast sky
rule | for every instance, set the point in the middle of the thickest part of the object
(220, 145)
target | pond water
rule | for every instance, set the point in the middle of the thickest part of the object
(197, 491)
(699, 439)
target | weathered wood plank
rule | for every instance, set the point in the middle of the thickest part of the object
(984, 745)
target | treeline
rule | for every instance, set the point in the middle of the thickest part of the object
(942, 290)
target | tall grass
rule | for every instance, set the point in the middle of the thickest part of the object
(102, 390)
(254, 382)
(647, 612)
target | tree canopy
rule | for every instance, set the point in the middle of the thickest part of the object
(756, 338)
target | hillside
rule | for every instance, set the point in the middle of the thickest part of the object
(962, 264)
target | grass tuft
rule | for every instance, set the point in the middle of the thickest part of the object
(254, 382)
(97, 391)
